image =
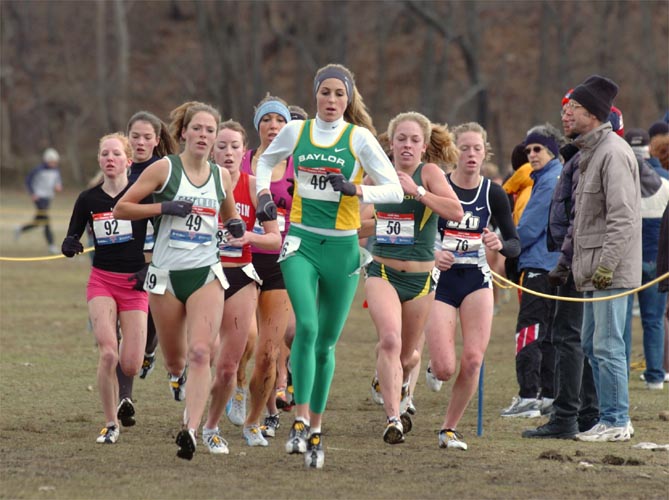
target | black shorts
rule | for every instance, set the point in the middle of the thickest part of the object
(237, 279)
(269, 271)
(456, 283)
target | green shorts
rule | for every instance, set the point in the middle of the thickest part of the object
(183, 284)
(408, 286)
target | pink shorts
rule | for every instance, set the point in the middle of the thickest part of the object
(116, 285)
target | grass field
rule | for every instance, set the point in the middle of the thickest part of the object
(50, 415)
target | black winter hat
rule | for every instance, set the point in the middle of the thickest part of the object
(658, 128)
(596, 94)
(518, 156)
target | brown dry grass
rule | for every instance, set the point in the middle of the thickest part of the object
(50, 414)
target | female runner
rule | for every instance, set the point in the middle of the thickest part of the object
(464, 288)
(185, 279)
(111, 291)
(320, 258)
(399, 284)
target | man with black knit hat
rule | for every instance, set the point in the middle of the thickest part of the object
(575, 408)
(607, 248)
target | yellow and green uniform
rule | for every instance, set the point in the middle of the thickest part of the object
(320, 258)
(315, 202)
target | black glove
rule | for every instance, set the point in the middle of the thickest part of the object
(180, 208)
(266, 209)
(71, 246)
(558, 275)
(139, 276)
(339, 183)
(235, 227)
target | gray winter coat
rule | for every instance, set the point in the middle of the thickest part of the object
(607, 223)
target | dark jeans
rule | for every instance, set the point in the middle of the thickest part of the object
(535, 354)
(576, 395)
(41, 219)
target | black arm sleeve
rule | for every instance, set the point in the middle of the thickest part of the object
(501, 212)
(80, 216)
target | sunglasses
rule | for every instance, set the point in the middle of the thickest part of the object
(536, 149)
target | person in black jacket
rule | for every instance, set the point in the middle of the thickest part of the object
(115, 284)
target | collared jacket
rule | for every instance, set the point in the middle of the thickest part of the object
(607, 222)
(533, 225)
(561, 217)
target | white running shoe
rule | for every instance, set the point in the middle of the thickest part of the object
(214, 442)
(523, 407)
(297, 439)
(630, 428)
(605, 433)
(108, 435)
(237, 410)
(148, 364)
(178, 386)
(314, 457)
(433, 383)
(270, 425)
(377, 397)
(450, 438)
(394, 433)
(253, 436)
(546, 406)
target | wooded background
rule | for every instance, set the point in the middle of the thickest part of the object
(71, 71)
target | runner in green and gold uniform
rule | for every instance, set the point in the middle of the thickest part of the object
(399, 284)
(320, 257)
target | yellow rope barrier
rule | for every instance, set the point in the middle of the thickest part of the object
(35, 259)
(576, 299)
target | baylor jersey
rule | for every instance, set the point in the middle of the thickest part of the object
(188, 242)
(315, 202)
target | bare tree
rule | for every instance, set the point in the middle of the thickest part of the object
(123, 47)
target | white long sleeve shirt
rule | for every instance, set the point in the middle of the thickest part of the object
(369, 153)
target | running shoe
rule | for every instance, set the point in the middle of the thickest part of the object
(270, 426)
(126, 412)
(411, 408)
(603, 432)
(630, 428)
(253, 436)
(187, 442)
(407, 423)
(405, 397)
(450, 438)
(314, 457)
(178, 386)
(284, 400)
(297, 439)
(377, 397)
(394, 433)
(433, 383)
(546, 406)
(214, 442)
(108, 435)
(148, 365)
(237, 410)
(523, 407)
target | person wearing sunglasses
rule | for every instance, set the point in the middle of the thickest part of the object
(535, 355)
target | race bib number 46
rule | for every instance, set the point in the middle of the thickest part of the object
(312, 184)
